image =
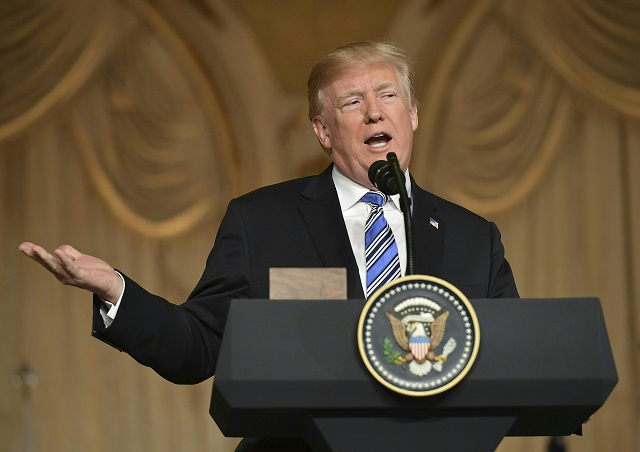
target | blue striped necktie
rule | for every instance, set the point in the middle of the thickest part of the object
(381, 252)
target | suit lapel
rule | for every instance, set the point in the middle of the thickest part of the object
(320, 209)
(428, 237)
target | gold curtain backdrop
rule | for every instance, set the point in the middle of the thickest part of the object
(126, 127)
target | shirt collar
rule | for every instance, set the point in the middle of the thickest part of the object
(350, 192)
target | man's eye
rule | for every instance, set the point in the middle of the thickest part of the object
(351, 104)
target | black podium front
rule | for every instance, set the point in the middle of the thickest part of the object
(292, 369)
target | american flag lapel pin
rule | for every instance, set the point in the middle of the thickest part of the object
(433, 222)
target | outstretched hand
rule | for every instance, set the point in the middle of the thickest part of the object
(73, 268)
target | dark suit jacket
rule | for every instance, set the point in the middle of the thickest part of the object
(293, 224)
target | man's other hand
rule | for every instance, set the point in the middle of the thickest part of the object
(73, 268)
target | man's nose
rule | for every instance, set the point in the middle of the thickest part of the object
(373, 111)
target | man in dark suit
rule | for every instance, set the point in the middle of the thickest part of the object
(361, 106)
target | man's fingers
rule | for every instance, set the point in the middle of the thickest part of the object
(67, 262)
(70, 251)
(26, 248)
(52, 263)
(44, 257)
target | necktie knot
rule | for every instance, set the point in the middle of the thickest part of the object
(376, 198)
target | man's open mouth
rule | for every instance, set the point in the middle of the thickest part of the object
(378, 140)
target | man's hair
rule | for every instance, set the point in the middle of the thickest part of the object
(363, 53)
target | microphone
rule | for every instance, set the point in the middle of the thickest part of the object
(381, 175)
(387, 177)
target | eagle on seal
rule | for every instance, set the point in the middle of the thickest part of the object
(419, 335)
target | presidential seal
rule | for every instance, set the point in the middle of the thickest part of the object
(418, 335)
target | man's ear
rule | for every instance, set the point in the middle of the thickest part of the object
(322, 132)
(414, 116)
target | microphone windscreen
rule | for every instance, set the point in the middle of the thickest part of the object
(374, 169)
(381, 175)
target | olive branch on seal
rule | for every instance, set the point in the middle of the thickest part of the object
(393, 355)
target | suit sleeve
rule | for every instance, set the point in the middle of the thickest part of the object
(502, 283)
(182, 343)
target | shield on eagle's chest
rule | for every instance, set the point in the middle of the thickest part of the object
(419, 347)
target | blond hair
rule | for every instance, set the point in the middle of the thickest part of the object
(325, 70)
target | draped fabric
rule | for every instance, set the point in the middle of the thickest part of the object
(502, 100)
(126, 127)
(141, 123)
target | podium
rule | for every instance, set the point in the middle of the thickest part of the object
(291, 368)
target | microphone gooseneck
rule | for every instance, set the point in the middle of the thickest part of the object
(387, 176)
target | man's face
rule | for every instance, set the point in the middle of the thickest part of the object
(366, 114)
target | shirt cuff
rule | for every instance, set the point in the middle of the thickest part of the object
(109, 310)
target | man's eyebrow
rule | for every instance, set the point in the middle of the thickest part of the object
(350, 93)
(385, 85)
